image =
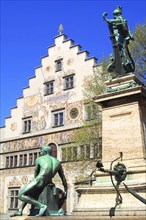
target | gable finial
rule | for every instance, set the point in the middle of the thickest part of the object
(60, 30)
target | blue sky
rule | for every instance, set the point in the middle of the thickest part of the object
(28, 28)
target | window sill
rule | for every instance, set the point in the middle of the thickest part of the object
(56, 126)
(49, 94)
(68, 88)
(92, 119)
(26, 132)
(11, 209)
(58, 70)
(24, 166)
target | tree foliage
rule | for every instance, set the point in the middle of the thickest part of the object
(89, 134)
(95, 83)
(138, 51)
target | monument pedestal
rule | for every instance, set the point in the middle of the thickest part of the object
(123, 120)
(78, 218)
(123, 130)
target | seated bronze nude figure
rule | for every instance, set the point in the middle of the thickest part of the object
(46, 167)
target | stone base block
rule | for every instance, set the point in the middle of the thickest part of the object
(119, 213)
(100, 200)
(80, 218)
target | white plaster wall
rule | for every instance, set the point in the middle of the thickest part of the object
(10, 182)
(78, 66)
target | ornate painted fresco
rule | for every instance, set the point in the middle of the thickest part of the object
(74, 112)
(39, 106)
(13, 126)
(14, 182)
(30, 143)
(34, 106)
(69, 61)
(24, 180)
(31, 102)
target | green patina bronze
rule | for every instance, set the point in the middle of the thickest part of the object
(121, 62)
(119, 171)
(46, 167)
(119, 88)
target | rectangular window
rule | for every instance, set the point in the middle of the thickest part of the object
(69, 82)
(20, 160)
(7, 161)
(35, 157)
(15, 160)
(11, 161)
(95, 151)
(49, 88)
(58, 65)
(58, 118)
(27, 125)
(87, 152)
(69, 153)
(25, 159)
(82, 152)
(92, 112)
(74, 153)
(13, 198)
(30, 159)
(64, 154)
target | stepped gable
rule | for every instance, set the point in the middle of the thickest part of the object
(43, 73)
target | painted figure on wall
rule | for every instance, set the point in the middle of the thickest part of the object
(46, 167)
(121, 62)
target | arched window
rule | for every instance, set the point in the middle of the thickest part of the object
(54, 150)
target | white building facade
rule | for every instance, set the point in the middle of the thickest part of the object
(48, 113)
